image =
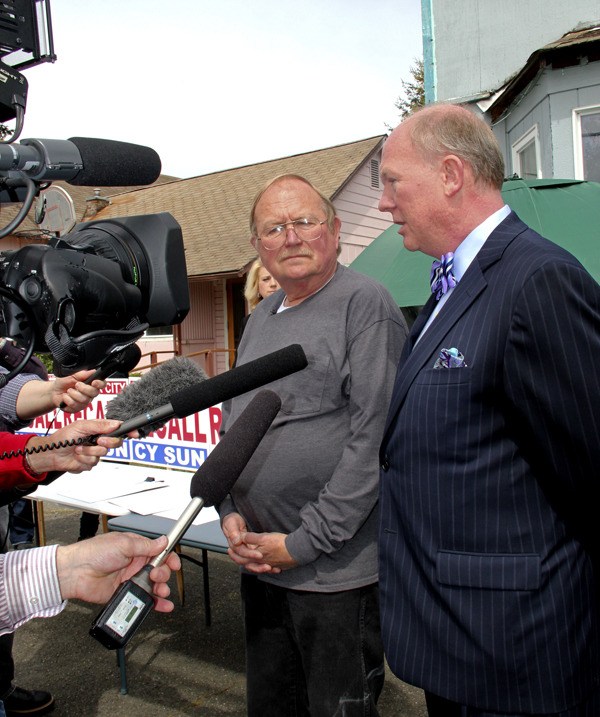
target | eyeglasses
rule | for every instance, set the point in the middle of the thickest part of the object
(305, 228)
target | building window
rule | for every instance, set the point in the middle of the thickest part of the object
(526, 155)
(159, 332)
(586, 136)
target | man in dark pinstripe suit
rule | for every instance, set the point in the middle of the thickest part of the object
(489, 561)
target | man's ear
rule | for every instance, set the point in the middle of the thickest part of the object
(253, 241)
(453, 174)
(337, 225)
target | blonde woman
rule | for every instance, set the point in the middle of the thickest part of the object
(259, 285)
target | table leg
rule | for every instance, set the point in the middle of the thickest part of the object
(179, 576)
(40, 526)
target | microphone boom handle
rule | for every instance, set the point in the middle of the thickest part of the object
(132, 424)
(183, 523)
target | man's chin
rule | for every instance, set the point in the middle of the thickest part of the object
(406, 240)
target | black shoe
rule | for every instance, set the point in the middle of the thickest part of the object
(28, 702)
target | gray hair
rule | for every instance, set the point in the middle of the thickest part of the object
(443, 128)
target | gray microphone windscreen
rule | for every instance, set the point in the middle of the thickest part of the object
(216, 476)
(154, 389)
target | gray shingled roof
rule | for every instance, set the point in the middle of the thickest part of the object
(213, 209)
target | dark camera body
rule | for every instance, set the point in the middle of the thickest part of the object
(96, 289)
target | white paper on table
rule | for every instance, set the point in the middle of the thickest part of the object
(150, 502)
(93, 488)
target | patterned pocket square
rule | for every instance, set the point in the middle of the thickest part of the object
(450, 358)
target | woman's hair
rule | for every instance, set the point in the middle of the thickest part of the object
(251, 288)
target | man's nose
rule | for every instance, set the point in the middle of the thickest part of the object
(384, 204)
(291, 237)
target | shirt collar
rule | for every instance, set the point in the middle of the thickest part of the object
(468, 249)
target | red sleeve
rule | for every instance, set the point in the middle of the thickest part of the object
(14, 471)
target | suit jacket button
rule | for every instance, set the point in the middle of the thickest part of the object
(385, 465)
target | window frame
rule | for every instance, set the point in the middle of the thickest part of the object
(152, 337)
(577, 114)
(532, 136)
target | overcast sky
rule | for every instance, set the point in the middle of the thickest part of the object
(217, 84)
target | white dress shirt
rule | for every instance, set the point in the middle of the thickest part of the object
(28, 587)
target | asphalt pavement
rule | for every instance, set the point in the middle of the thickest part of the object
(176, 666)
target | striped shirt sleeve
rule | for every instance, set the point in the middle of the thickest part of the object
(28, 587)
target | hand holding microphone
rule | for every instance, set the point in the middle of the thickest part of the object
(119, 362)
(122, 616)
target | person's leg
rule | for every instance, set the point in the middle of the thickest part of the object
(275, 683)
(88, 525)
(21, 524)
(16, 701)
(338, 636)
(7, 665)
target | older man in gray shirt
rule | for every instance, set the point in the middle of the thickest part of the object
(302, 518)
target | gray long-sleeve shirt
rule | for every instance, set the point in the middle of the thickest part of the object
(315, 474)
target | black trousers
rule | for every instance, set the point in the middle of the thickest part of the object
(312, 654)
(7, 665)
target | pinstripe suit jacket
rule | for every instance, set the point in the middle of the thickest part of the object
(487, 536)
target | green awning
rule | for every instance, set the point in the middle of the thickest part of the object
(567, 211)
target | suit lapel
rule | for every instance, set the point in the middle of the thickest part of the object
(417, 327)
(415, 358)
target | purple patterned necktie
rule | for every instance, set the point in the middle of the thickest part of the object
(442, 277)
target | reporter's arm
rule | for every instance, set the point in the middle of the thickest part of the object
(29, 587)
(23, 471)
(37, 582)
(76, 458)
(38, 397)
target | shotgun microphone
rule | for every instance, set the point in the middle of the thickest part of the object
(82, 161)
(197, 397)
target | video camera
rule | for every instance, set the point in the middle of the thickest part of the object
(95, 290)
(90, 293)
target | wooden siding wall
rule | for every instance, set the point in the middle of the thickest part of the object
(356, 206)
(221, 342)
(199, 330)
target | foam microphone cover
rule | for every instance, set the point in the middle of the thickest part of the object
(108, 163)
(224, 465)
(239, 380)
(154, 389)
